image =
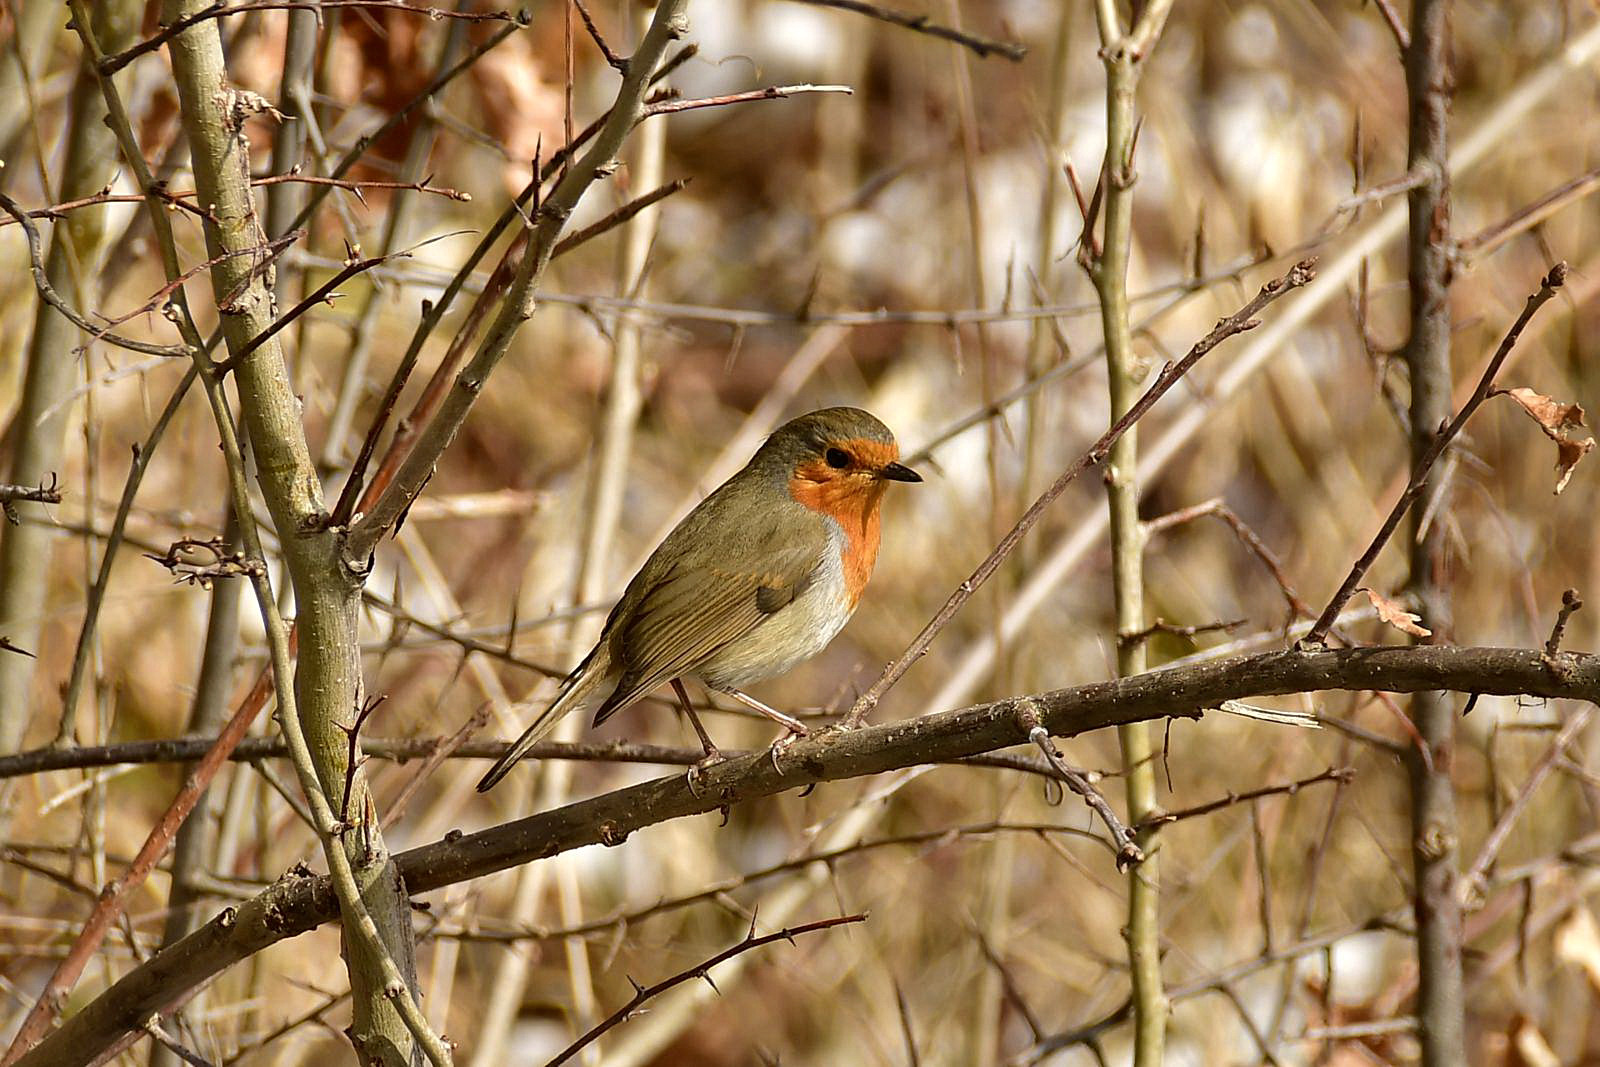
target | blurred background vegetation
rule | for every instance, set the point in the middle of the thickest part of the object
(1260, 121)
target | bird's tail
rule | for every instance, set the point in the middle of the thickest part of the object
(579, 688)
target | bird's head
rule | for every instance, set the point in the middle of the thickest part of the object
(837, 460)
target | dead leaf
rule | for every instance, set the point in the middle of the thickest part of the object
(1392, 613)
(1554, 417)
(1568, 452)
(1557, 420)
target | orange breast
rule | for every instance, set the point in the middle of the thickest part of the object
(854, 506)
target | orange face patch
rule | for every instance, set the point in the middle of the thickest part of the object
(849, 495)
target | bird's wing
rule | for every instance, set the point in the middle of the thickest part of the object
(682, 619)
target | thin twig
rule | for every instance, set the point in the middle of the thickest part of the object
(97, 592)
(47, 292)
(1570, 602)
(113, 63)
(1332, 774)
(36, 494)
(114, 897)
(1474, 882)
(1237, 323)
(1391, 18)
(699, 970)
(299, 905)
(322, 294)
(1530, 215)
(357, 494)
(612, 59)
(1129, 853)
(1419, 476)
(771, 92)
(619, 216)
(983, 46)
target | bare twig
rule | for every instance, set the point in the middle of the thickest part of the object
(1474, 882)
(36, 494)
(353, 761)
(324, 293)
(357, 494)
(1440, 441)
(115, 895)
(401, 750)
(48, 294)
(612, 59)
(1161, 626)
(771, 92)
(292, 907)
(1570, 602)
(699, 970)
(1128, 852)
(1332, 774)
(97, 592)
(619, 216)
(1391, 18)
(357, 187)
(1239, 322)
(983, 46)
(113, 63)
(1530, 215)
(520, 301)
(6, 645)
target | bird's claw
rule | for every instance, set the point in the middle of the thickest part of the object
(786, 742)
(712, 757)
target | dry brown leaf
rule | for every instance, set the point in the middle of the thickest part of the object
(1557, 420)
(1568, 452)
(1554, 417)
(1392, 613)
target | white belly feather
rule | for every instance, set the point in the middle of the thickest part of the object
(796, 632)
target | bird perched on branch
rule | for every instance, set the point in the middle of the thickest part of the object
(758, 577)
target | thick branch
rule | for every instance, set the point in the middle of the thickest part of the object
(297, 903)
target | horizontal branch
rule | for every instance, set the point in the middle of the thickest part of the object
(298, 903)
(399, 749)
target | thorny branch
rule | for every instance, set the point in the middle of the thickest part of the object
(11, 495)
(111, 64)
(298, 904)
(699, 970)
(1239, 322)
(984, 47)
(48, 294)
(1441, 440)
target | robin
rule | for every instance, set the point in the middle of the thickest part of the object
(758, 577)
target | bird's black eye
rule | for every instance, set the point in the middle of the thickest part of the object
(837, 458)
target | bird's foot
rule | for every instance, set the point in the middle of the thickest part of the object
(712, 757)
(786, 742)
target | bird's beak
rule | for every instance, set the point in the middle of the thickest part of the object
(898, 472)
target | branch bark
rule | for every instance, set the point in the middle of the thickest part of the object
(1107, 263)
(1435, 831)
(298, 903)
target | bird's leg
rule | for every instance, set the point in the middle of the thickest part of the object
(713, 754)
(796, 728)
